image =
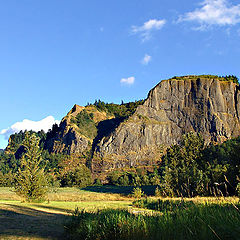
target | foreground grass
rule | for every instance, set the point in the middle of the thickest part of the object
(104, 211)
(20, 220)
(44, 220)
(188, 221)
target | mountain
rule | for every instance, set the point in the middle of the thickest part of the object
(204, 104)
(136, 134)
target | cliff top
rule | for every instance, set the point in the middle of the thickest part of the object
(229, 78)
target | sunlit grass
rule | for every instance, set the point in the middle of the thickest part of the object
(68, 194)
(186, 221)
(109, 214)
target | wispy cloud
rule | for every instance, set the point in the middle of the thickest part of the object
(148, 27)
(128, 81)
(44, 124)
(213, 12)
(147, 58)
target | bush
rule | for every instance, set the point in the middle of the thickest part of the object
(137, 193)
(7, 179)
(97, 182)
(157, 192)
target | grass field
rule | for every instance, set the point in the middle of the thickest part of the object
(19, 220)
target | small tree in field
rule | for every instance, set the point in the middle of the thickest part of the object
(31, 181)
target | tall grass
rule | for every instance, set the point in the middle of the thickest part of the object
(189, 221)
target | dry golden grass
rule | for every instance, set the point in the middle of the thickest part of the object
(216, 200)
(75, 195)
(67, 195)
(45, 220)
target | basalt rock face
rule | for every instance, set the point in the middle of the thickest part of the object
(76, 132)
(209, 106)
(66, 140)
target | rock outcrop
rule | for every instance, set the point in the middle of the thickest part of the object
(206, 104)
(76, 132)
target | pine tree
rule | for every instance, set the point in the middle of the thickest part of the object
(31, 181)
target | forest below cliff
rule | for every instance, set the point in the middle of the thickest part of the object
(187, 169)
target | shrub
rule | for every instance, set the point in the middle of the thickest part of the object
(97, 182)
(137, 193)
(163, 205)
(157, 192)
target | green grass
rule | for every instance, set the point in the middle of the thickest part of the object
(69, 207)
(108, 213)
(196, 221)
(21, 220)
(75, 194)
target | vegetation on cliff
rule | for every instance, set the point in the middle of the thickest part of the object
(85, 123)
(228, 78)
(122, 110)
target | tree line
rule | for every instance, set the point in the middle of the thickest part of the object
(187, 169)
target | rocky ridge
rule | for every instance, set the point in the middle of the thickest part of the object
(205, 104)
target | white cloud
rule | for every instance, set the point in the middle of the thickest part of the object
(44, 124)
(146, 29)
(147, 58)
(214, 12)
(128, 81)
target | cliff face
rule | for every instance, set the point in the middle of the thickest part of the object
(174, 107)
(76, 131)
(136, 134)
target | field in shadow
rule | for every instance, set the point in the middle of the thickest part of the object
(124, 190)
(19, 222)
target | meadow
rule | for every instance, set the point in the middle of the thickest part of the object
(108, 212)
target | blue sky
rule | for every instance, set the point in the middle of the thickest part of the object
(55, 53)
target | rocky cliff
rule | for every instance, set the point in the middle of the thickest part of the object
(206, 104)
(76, 132)
(136, 134)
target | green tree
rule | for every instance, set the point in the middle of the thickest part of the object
(31, 181)
(183, 175)
(79, 177)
